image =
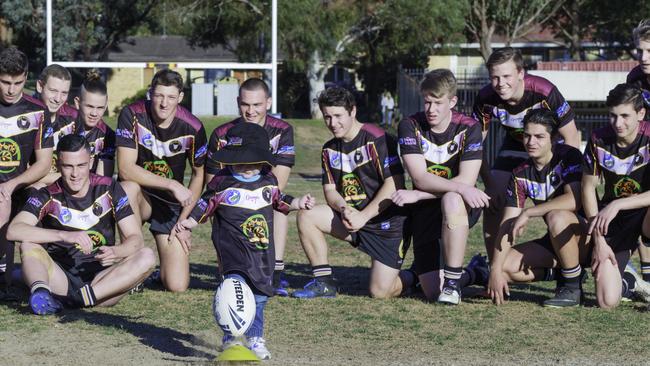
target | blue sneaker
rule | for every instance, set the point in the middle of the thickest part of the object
(478, 264)
(43, 303)
(316, 288)
(280, 285)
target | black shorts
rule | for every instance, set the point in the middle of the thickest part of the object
(624, 231)
(164, 215)
(73, 298)
(426, 221)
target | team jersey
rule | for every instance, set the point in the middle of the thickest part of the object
(65, 123)
(242, 231)
(637, 78)
(443, 152)
(624, 169)
(24, 128)
(280, 139)
(96, 213)
(544, 185)
(162, 151)
(538, 93)
(102, 143)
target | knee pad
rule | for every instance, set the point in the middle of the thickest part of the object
(41, 256)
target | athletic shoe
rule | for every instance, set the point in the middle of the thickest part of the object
(137, 289)
(280, 287)
(450, 293)
(565, 297)
(316, 288)
(258, 346)
(641, 289)
(478, 264)
(43, 303)
(154, 279)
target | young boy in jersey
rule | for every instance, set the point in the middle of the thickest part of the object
(243, 197)
(442, 151)
(619, 154)
(551, 179)
(361, 169)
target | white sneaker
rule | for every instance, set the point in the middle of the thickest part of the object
(449, 295)
(258, 346)
(641, 288)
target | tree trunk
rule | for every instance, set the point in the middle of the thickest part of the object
(316, 72)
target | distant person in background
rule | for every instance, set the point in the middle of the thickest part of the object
(387, 107)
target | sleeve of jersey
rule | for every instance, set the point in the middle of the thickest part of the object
(572, 167)
(473, 144)
(407, 138)
(515, 193)
(590, 160)
(200, 148)
(209, 201)
(286, 153)
(121, 205)
(37, 203)
(561, 107)
(108, 152)
(281, 201)
(125, 134)
(388, 157)
(211, 166)
(45, 136)
(327, 177)
(481, 113)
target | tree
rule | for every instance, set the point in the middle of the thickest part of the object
(511, 18)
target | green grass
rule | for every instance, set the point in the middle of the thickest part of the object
(157, 327)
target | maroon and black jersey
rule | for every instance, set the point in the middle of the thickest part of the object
(443, 152)
(102, 143)
(280, 139)
(637, 78)
(104, 205)
(242, 231)
(538, 93)
(162, 151)
(64, 123)
(24, 128)
(624, 169)
(544, 185)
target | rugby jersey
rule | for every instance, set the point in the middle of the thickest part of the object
(96, 213)
(102, 143)
(65, 123)
(24, 127)
(624, 169)
(242, 231)
(544, 185)
(637, 78)
(162, 151)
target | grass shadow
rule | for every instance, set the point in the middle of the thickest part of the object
(351, 281)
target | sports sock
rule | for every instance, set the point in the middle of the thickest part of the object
(88, 295)
(645, 271)
(453, 274)
(36, 285)
(322, 272)
(277, 272)
(571, 276)
(549, 274)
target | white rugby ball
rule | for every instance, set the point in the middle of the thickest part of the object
(234, 307)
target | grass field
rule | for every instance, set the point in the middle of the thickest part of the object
(156, 327)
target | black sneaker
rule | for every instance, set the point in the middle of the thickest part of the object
(565, 297)
(316, 288)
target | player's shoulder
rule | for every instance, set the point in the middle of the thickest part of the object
(100, 180)
(373, 130)
(68, 111)
(32, 104)
(565, 151)
(220, 131)
(463, 120)
(104, 128)
(603, 134)
(538, 84)
(487, 95)
(521, 169)
(278, 123)
(185, 116)
(138, 107)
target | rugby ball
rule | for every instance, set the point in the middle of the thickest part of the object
(234, 307)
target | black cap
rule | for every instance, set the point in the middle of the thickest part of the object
(246, 143)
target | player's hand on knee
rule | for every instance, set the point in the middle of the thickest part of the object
(403, 197)
(519, 226)
(306, 202)
(6, 190)
(106, 256)
(604, 217)
(474, 197)
(354, 219)
(80, 239)
(182, 194)
(602, 253)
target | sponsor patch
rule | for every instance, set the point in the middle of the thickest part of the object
(35, 202)
(287, 150)
(203, 205)
(563, 109)
(234, 141)
(407, 141)
(121, 203)
(385, 225)
(390, 160)
(48, 133)
(201, 151)
(474, 147)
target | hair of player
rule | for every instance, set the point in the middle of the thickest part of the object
(503, 55)
(93, 84)
(72, 143)
(253, 84)
(439, 83)
(167, 77)
(337, 97)
(543, 117)
(13, 62)
(625, 94)
(56, 71)
(642, 31)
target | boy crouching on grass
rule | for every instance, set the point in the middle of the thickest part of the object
(245, 193)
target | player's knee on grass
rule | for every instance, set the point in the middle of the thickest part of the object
(608, 285)
(431, 283)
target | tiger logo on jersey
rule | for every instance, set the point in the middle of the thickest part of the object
(440, 170)
(9, 155)
(625, 187)
(256, 229)
(97, 238)
(352, 190)
(159, 167)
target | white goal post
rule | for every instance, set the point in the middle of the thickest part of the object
(273, 65)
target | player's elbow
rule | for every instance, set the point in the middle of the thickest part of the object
(13, 232)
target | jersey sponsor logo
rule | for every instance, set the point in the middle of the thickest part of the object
(385, 225)
(646, 97)
(232, 197)
(9, 155)
(81, 219)
(452, 148)
(147, 140)
(97, 209)
(563, 109)
(65, 215)
(121, 203)
(20, 124)
(390, 160)
(96, 237)
(201, 151)
(266, 194)
(407, 141)
(287, 150)
(202, 204)
(256, 230)
(353, 191)
(234, 141)
(49, 132)
(162, 149)
(474, 147)
(159, 167)
(247, 199)
(175, 146)
(623, 166)
(440, 154)
(347, 163)
(572, 169)
(441, 171)
(35, 202)
(123, 132)
(625, 187)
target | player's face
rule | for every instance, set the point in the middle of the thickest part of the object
(75, 170)
(625, 121)
(507, 81)
(537, 140)
(11, 87)
(253, 105)
(438, 110)
(247, 170)
(92, 107)
(164, 101)
(338, 120)
(54, 93)
(643, 55)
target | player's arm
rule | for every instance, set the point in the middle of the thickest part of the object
(498, 284)
(105, 167)
(334, 198)
(570, 200)
(569, 133)
(589, 198)
(133, 241)
(196, 186)
(34, 173)
(382, 199)
(23, 228)
(50, 178)
(281, 172)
